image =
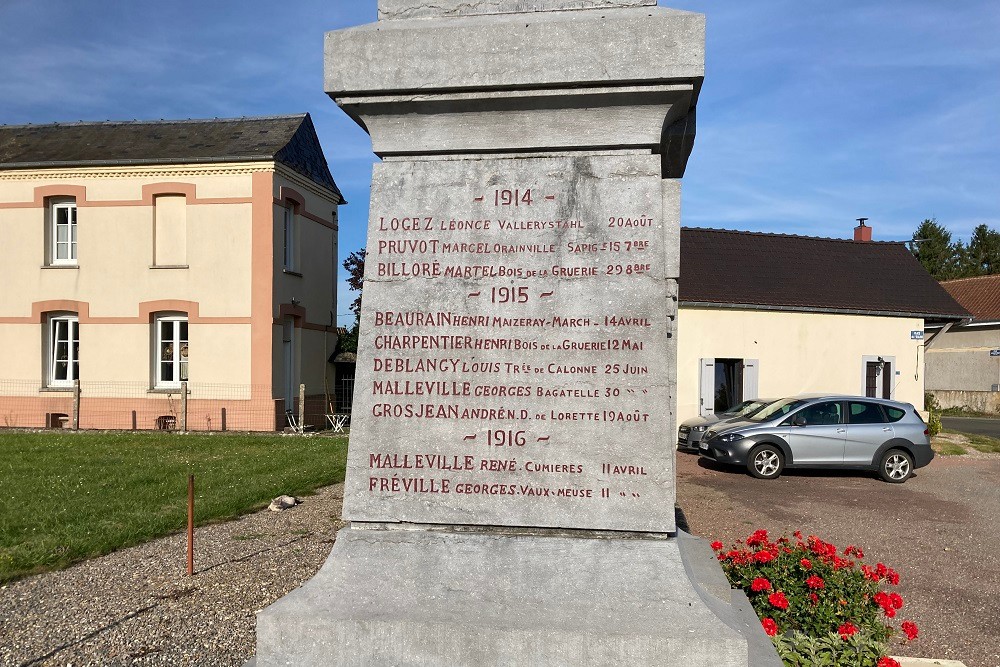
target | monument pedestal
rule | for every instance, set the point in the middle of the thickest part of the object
(510, 480)
(434, 597)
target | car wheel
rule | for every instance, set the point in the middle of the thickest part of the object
(896, 466)
(766, 462)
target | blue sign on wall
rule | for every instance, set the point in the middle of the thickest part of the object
(916, 335)
(995, 353)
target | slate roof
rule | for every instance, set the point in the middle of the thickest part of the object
(290, 140)
(980, 296)
(786, 272)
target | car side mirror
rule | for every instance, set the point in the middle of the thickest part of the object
(799, 421)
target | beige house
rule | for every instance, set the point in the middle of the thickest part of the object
(140, 256)
(963, 362)
(771, 315)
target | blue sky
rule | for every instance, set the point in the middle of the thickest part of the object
(812, 114)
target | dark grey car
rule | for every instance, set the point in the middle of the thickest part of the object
(824, 432)
(690, 432)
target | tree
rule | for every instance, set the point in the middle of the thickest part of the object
(933, 249)
(355, 266)
(945, 260)
(982, 257)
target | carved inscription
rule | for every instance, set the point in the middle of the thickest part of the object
(505, 341)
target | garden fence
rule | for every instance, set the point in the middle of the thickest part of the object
(134, 406)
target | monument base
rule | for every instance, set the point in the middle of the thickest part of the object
(431, 597)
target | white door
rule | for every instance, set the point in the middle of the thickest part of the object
(750, 376)
(706, 402)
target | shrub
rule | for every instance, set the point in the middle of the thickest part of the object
(930, 402)
(934, 423)
(818, 604)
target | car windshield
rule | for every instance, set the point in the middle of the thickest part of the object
(738, 409)
(753, 408)
(776, 409)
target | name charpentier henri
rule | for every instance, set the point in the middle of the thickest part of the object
(460, 342)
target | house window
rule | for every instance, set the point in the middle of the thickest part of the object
(290, 243)
(63, 350)
(170, 230)
(171, 351)
(62, 232)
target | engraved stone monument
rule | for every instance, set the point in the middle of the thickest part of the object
(510, 484)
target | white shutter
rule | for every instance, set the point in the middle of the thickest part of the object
(750, 378)
(706, 404)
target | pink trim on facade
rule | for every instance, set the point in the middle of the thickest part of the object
(149, 191)
(262, 279)
(286, 194)
(147, 309)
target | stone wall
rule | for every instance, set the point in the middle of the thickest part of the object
(978, 401)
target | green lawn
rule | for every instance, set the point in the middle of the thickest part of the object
(69, 496)
(980, 443)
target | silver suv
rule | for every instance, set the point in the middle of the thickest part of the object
(824, 432)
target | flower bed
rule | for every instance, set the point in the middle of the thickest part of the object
(819, 605)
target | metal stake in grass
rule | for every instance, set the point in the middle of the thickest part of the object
(190, 525)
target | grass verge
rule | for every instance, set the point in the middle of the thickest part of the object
(946, 448)
(983, 443)
(65, 497)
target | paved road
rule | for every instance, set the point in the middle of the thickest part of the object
(938, 530)
(990, 427)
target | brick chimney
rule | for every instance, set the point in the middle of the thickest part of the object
(862, 232)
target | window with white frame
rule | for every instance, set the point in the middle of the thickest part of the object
(62, 231)
(63, 350)
(171, 352)
(290, 244)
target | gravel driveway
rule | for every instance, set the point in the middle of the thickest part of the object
(939, 530)
(137, 607)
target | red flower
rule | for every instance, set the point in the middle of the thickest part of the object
(758, 537)
(846, 630)
(896, 600)
(716, 546)
(910, 630)
(778, 600)
(770, 627)
(887, 662)
(893, 577)
(806, 563)
(815, 582)
(814, 598)
(763, 556)
(760, 584)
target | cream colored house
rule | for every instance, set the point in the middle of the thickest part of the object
(138, 256)
(771, 315)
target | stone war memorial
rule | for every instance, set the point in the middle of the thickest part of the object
(510, 488)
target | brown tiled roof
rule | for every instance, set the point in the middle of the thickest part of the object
(290, 140)
(785, 272)
(980, 296)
